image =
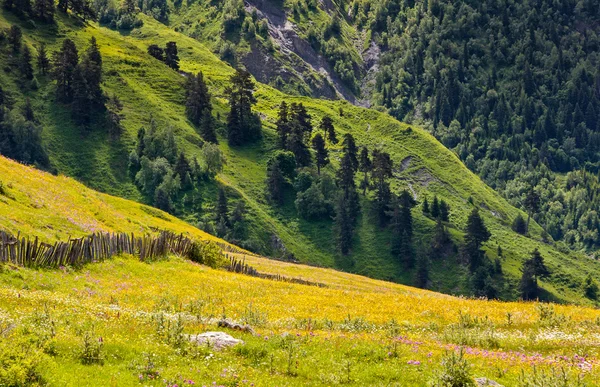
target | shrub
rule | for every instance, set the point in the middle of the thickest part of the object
(519, 225)
(455, 372)
(207, 253)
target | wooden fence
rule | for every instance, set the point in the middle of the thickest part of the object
(237, 266)
(28, 252)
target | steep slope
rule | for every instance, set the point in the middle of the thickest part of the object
(147, 88)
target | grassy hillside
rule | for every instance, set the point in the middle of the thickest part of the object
(124, 322)
(148, 89)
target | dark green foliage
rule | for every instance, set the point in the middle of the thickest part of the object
(198, 106)
(349, 146)
(440, 238)
(156, 52)
(401, 223)
(381, 171)
(532, 204)
(422, 277)
(344, 228)
(64, 64)
(327, 127)
(519, 225)
(20, 139)
(243, 125)
(282, 124)
(44, 10)
(43, 63)
(222, 209)
(533, 269)
(25, 63)
(171, 56)
(590, 288)
(316, 202)
(425, 207)
(15, 35)
(476, 234)
(435, 208)
(444, 211)
(321, 154)
(365, 166)
(275, 181)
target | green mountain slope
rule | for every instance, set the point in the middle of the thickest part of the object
(148, 88)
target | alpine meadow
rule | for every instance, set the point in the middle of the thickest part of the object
(299, 193)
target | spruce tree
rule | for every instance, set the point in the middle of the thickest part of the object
(243, 125)
(222, 211)
(296, 143)
(44, 10)
(476, 234)
(533, 269)
(327, 127)
(365, 166)
(25, 66)
(532, 204)
(198, 106)
(171, 56)
(282, 124)
(299, 114)
(444, 211)
(382, 170)
(65, 62)
(321, 154)
(425, 207)
(15, 35)
(422, 272)
(343, 225)
(91, 69)
(43, 63)
(275, 182)
(349, 146)
(82, 99)
(435, 208)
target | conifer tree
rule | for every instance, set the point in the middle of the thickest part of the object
(382, 170)
(243, 125)
(65, 62)
(435, 208)
(476, 234)
(91, 69)
(28, 110)
(444, 211)
(532, 204)
(283, 128)
(299, 114)
(365, 166)
(343, 225)
(198, 106)
(82, 99)
(350, 148)
(157, 52)
(171, 56)
(222, 211)
(275, 182)
(25, 66)
(321, 154)
(533, 269)
(425, 206)
(296, 143)
(422, 272)
(327, 127)
(43, 63)
(44, 10)
(15, 35)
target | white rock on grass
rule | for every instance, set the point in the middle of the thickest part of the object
(485, 382)
(217, 340)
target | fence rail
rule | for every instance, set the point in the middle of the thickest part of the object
(31, 252)
(240, 266)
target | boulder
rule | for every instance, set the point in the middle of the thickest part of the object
(217, 340)
(485, 382)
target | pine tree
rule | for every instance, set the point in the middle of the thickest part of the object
(156, 52)
(222, 211)
(365, 166)
(476, 234)
(422, 272)
(435, 208)
(283, 128)
(382, 170)
(82, 99)
(65, 62)
(343, 225)
(349, 146)
(25, 66)
(182, 167)
(528, 286)
(297, 145)
(440, 237)
(15, 35)
(532, 204)
(91, 69)
(275, 182)
(44, 10)
(425, 207)
(444, 211)
(327, 127)
(299, 114)
(321, 154)
(402, 228)
(171, 56)
(28, 110)
(198, 106)
(243, 125)
(43, 63)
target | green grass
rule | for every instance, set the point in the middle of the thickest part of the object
(148, 88)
